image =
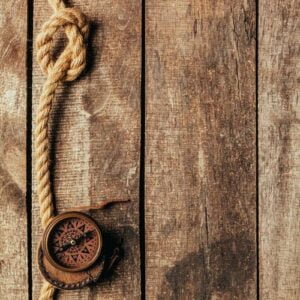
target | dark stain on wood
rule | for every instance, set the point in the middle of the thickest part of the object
(231, 264)
(195, 27)
(11, 191)
(179, 278)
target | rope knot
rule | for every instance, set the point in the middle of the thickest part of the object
(72, 60)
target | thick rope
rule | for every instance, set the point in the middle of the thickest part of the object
(66, 67)
(47, 291)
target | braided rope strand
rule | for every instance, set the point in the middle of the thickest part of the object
(47, 291)
(67, 67)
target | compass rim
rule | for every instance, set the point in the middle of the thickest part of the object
(49, 229)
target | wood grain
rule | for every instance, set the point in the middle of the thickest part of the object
(13, 223)
(96, 138)
(279, 149)
(200, 164)
(200, 150)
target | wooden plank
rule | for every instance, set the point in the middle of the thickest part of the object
(96, 137)
(200, 176)
(279, 149)
(13, 219)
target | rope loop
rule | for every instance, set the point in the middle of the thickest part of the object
(71, 62)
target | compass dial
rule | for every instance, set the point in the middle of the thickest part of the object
(72, 242)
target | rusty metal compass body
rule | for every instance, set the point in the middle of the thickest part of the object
(70, 254)
(72, 242)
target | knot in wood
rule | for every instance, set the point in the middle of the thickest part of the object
(72, 60)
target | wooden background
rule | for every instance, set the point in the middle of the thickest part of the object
(190, 108)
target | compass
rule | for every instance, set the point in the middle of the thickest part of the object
(70, 253)
(72, 242)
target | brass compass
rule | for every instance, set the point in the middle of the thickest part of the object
(72, 242)
(70, 254)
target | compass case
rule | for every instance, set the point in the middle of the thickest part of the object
(69, 255)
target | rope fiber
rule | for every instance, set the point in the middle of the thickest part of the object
(67, 67)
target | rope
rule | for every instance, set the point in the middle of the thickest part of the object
(47, 291)
(67, 67)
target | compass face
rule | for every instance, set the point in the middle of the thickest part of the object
(72, 241)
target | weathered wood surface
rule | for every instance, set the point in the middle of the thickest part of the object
(200, 164)
(200, 194)
(13, 222)
(96, 138)
(279, 149)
